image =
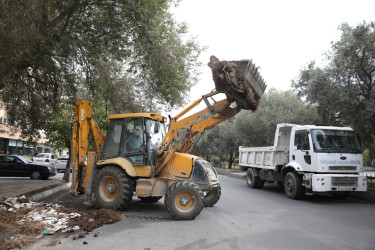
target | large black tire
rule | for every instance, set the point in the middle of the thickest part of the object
(293, 186)
(183, 201)
(36, 175)
(212, 197)
(152, 199)
(252, 180)
(113, 188)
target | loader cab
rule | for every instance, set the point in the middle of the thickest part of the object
(134, 137)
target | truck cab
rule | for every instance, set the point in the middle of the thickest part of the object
(317, 151)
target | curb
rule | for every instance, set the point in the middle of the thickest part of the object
(231, 173)
(49, 192)
(238, 175)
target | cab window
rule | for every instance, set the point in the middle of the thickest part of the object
(133, 147)
(113, 139)
(301, 140)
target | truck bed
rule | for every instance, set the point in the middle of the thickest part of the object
(262, 157)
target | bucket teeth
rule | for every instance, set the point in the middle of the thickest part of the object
(254, 78)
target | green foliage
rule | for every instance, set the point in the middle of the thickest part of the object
(344, 90)
(366, 157)
(255, 129)
(258, 129)
(126, 56)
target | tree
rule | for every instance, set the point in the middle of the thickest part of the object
(118, 53)
(343, 91)
(219, 141)
(257, 129)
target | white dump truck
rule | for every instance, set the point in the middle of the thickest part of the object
(307, 159)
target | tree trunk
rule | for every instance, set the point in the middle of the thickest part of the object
(232, 156)
(230, 159)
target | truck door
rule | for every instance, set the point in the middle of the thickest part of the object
(302, 153)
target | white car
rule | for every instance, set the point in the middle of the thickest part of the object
(61, 163)
(45, 158)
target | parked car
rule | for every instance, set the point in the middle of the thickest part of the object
(45, 158)
(20, 166)
(61, 163)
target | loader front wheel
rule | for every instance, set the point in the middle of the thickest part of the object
(212, 197)
(183, 201)
(113, 188)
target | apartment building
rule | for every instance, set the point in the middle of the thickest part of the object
(11, 140)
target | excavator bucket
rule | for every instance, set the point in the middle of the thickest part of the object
(240, 81)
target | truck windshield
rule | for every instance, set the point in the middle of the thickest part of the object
(332, 141)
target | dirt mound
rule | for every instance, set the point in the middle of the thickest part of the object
(230, 79)
(23, 222)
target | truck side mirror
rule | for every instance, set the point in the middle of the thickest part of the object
(157, 127)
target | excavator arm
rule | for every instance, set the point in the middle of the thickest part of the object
(85, 128)
(239, 81)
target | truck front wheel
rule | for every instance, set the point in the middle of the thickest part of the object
(252, 180)
(293, 186)
(183, 201)
(113, 188)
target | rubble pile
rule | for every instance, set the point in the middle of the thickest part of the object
(23, 222)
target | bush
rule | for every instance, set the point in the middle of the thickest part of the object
(366, 157)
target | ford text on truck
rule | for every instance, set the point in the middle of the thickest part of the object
(307, 159)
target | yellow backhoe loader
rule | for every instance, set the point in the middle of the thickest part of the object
(141, 157)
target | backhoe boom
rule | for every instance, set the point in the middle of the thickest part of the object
(84, 128)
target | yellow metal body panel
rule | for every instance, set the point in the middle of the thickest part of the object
(180, 166)
(135, 115)
(134, 171)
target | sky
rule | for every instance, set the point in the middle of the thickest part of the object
(281, 37)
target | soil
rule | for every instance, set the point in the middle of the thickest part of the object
(229, 79)
(22, 222)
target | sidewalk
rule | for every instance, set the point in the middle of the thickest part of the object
(35, 190)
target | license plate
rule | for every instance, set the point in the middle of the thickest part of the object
(345, 189)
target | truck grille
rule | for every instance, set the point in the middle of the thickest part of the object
(344, 181)
(346, 168)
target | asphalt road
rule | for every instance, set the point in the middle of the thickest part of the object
(243, 219)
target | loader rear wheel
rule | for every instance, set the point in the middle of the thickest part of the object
(212, 197)
(293, 186)
(113, 188)
(183, 201)
(252, 180)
